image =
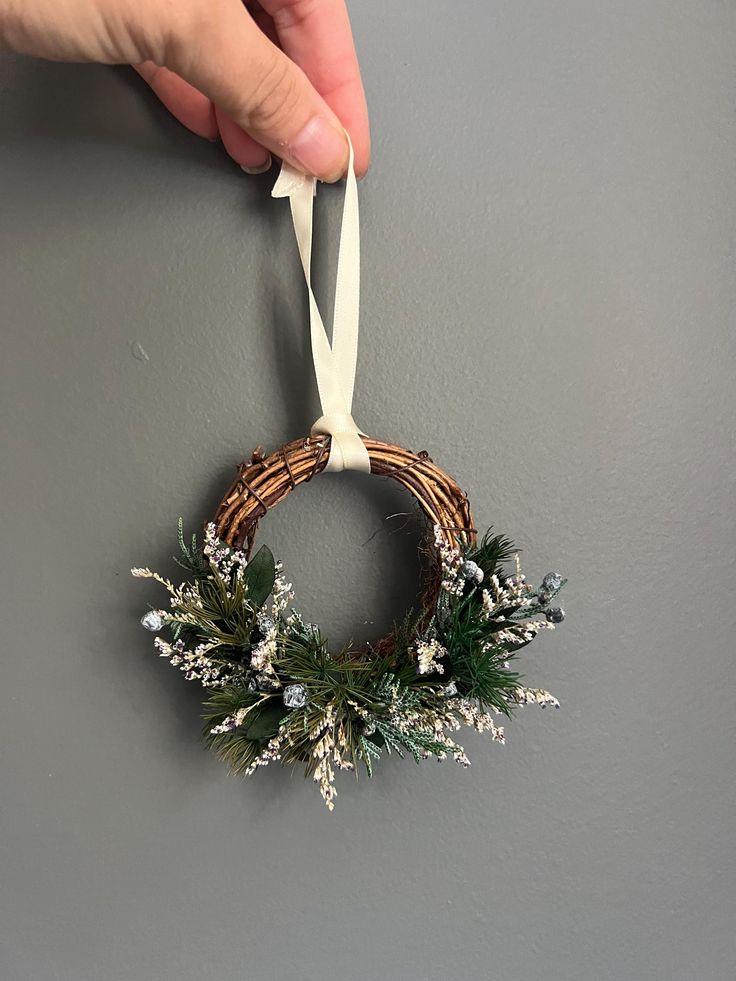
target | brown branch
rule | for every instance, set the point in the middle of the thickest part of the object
(264, 482)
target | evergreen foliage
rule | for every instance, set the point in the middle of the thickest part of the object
(277, 692)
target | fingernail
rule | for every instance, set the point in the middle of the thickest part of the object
(261, 169)
(321, 150)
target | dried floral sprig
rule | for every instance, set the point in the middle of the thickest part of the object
(277, 693)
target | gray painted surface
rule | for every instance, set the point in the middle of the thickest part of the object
(548, 246)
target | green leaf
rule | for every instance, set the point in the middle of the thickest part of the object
(369, 752)
(491, 552)
(266, 723)
(260, 574)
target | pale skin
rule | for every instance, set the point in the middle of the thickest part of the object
(274, 77)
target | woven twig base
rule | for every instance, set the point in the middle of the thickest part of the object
(263, 482)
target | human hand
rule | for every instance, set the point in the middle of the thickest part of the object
(276, 76)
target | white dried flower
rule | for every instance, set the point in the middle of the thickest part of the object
(226, 562)
(323, 751)
(264, 653)
(270, 753)
(428, 654)
(282, 593)
(451, 564)
(534, 696)
(196, 665)
(480, 721)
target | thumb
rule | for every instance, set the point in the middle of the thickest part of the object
(223, 53)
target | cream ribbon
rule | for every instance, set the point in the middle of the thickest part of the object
(334, 364)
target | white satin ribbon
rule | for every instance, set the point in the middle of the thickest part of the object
(334, 364)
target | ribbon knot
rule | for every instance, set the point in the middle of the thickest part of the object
(347, 446)
(334, 363)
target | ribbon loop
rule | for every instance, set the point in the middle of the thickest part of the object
(334, 364)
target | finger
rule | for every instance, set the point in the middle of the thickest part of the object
(252, 157)
(190, 107)
(263, 20)
(223, 54)
(318, 38)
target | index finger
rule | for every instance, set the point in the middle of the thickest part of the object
(316, 35)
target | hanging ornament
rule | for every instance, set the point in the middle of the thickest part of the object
(555, 615)
(153, 621)
(552, 582)
(295, 696)
(275, 690)
(265, 624)
(472, 571)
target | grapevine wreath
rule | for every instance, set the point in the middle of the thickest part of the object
(275, 689)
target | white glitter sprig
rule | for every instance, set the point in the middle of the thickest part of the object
(451, 564)
(534, 696)
(429, 653)
(196, 665)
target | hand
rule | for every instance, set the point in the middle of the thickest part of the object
(276, 76)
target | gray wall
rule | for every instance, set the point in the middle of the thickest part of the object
(548, 246)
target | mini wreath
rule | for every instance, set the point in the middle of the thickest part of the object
(277, 691)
